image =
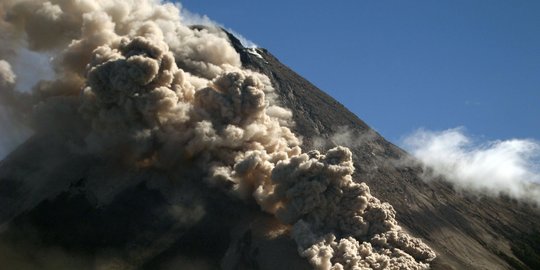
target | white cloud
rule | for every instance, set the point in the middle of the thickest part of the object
(504, 166)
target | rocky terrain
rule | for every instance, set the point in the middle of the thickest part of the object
(467, 231)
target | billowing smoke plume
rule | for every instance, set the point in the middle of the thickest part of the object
(337, 223)
(132, 82)
(507, 167)
(190, 18)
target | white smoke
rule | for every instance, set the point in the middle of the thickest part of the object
(507, 167)
(190, 18)
(7, 77)
(344, 136)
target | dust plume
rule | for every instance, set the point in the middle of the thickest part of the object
(134, 84)
(344, 136)
(508, 167)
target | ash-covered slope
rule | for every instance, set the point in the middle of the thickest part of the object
(466, 230)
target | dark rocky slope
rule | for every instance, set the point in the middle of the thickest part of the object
(467, 231)
(69, 209)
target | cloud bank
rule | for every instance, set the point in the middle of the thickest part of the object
(509, 167)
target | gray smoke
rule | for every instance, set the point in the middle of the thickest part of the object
(133, 82)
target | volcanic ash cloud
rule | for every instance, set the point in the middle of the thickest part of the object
(133, 82)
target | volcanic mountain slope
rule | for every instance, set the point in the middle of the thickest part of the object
(467, 231)
(63, 208)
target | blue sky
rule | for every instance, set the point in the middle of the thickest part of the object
(403, 65)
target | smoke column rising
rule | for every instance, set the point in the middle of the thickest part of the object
(133, 83)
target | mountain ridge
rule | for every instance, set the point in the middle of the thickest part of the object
(435, 203)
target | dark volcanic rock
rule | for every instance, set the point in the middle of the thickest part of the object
(467, 231)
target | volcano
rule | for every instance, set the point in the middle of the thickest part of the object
(119, 176)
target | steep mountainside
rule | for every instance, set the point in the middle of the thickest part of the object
(467, 231)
